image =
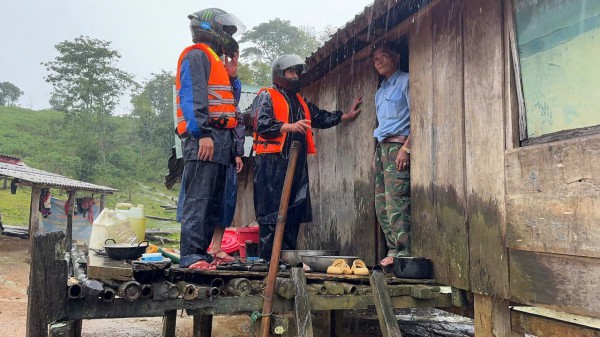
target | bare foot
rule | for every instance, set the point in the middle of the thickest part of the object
(305, 267)
(389, 260)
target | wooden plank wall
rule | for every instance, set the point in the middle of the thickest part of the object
(484, 139)
(341, 175)
(553, 218)
(439, 206)
(457, 104)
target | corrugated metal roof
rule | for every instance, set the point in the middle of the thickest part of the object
(359, 33)
(48, 179)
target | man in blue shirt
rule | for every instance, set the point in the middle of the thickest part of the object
(392, 155)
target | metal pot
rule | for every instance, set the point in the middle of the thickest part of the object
(124, 251)
(292, 257)
(412, 267)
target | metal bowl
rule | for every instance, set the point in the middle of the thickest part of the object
(320, 263)
(292, 257)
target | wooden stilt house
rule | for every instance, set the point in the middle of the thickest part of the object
(505, 156)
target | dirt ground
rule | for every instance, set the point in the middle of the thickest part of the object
(14, 279)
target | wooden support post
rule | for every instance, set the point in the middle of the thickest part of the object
(69, 230)
(203, 325)
(492, 316)
(48, 300)
(34, 213)
(383, 304)
(169, 323)
(102, 201)
(301, 305)
(337, 323)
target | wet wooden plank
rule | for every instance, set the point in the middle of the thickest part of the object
(553, 196)
(47, 299)
(543, 322)
(492, 316)
(484, 139)
(301, 304)
(341, 177)
(558, 282)
(119, 308)
(426, 233)
(104, 268)
(448, 156)
(383, 304)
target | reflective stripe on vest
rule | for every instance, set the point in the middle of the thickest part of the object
(221, 103)
(281, 112)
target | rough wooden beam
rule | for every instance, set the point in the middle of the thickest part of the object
(34, 212)
(48, 299)
(543, 322)
(492, 316)
(383, 304)
(169, 323)
(301, 304)
(203, 325)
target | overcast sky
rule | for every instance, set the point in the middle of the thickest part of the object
(149, 34)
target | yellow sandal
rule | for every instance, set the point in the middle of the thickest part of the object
(339, 267)
(359, 268)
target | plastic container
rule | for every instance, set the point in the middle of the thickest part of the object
(229, 244)
(152, 257)
(136, 217)
(111, 225)
(247, 234)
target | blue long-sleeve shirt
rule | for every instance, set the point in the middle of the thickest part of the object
(392, 105)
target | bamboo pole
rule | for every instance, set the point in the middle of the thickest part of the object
(279, 228)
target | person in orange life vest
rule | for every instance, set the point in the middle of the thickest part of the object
(206, 123)
(282, 115)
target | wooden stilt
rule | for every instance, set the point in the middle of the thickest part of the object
(383, 304)
(337, 323)
(169, 323)
(492, 316)
(34, 218)
(301, 305)
(203, 325)
(48, 300)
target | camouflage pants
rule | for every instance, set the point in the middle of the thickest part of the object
(392, 199)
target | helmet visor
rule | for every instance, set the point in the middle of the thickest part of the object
(291, 61)
(231, 24)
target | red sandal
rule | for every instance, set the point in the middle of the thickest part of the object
(202, 265)
(222, 257)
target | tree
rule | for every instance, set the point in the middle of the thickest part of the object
(153, 108)
(270, 40)
(87, 86)
(277, 37)
(84, 77)
(9, 94)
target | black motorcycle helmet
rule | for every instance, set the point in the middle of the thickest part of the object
(281, 64)
(215, 26)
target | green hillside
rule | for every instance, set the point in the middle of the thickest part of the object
(42, 140)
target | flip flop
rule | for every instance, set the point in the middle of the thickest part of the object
(339, 267)
(359, 268)
(222, 257)
(202, 265)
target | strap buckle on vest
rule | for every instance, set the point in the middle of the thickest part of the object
(266, 142)
(219, 122)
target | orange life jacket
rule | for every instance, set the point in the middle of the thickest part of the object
(221, 102)
(281, 110)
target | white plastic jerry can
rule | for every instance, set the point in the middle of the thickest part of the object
(136, 217)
